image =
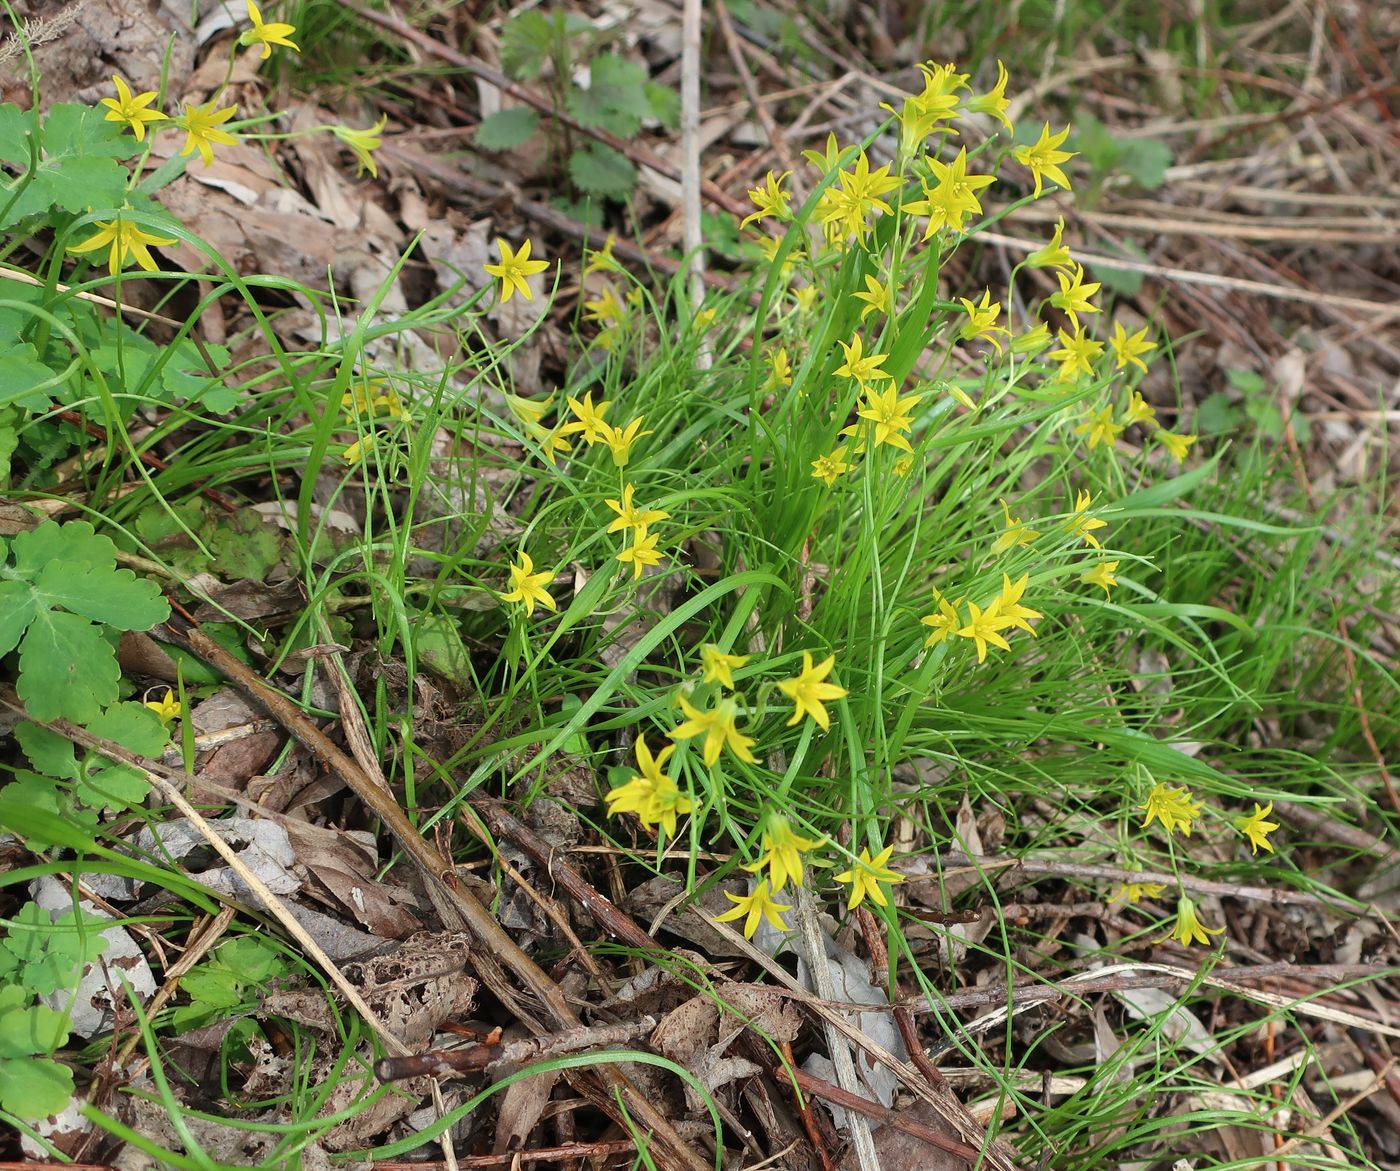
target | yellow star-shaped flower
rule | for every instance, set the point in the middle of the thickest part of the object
(513, 269)
(1130, 347)
(267, 35)
(652, 794)
(168, 708)
(753, 907)
(629, 516)
(890, 414)
(719, 725)
(1257, 828)
(1188, 928)
(718, 667)
(527, 586)
(1174, 808)
(131, 108)
(770, 199)
(782, 852)
(1044, 159)
(124, 240)
(1103, 574)
(865, 876)
(363, 144)
(808, 691)
(201, 126)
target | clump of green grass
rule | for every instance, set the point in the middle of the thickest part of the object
(902, 546)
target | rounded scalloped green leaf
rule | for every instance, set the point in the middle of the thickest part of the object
(50, 753)
(17, 610)
(34, 1087)
(77, 167)
(600, 170)
(507, 129)
(67, 670)
(111, 785)
(114, 596)
(133, 726)
(76, 541)
(29, 1029)
(16, 126)
(32, 807)
(21, 373)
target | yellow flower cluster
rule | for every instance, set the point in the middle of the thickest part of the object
(987, 624)
(1178, 811)
(982, 625)
(1079, 353)
(656, 799)
(203, 125)
(948, 195)
(636, 521)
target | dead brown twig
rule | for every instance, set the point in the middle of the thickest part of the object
(455, 904)
(455, 180)
(477, 68)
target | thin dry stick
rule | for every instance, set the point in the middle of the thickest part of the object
(637, 153)
(1303, 1006)
(501, 1055)
(459, 182)
(765, 119)
(690, 165)
(1185, 276)
(961, 863)
(868, 1109)
(1318, 1132)
(24, 278)
(457, 906)
(278, 911)
(952, 1111)
(813, 944)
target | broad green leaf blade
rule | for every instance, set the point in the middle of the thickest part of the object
(21, 377)
(118, 786)
(50, 753)
(665, 105)
(67, 670)
(17, 610)
(16, 127)
(34, 1087)
(133, 726)
(76, 131)
(117, 597)
(34, 1029)
(75, 542)
(616, 99)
